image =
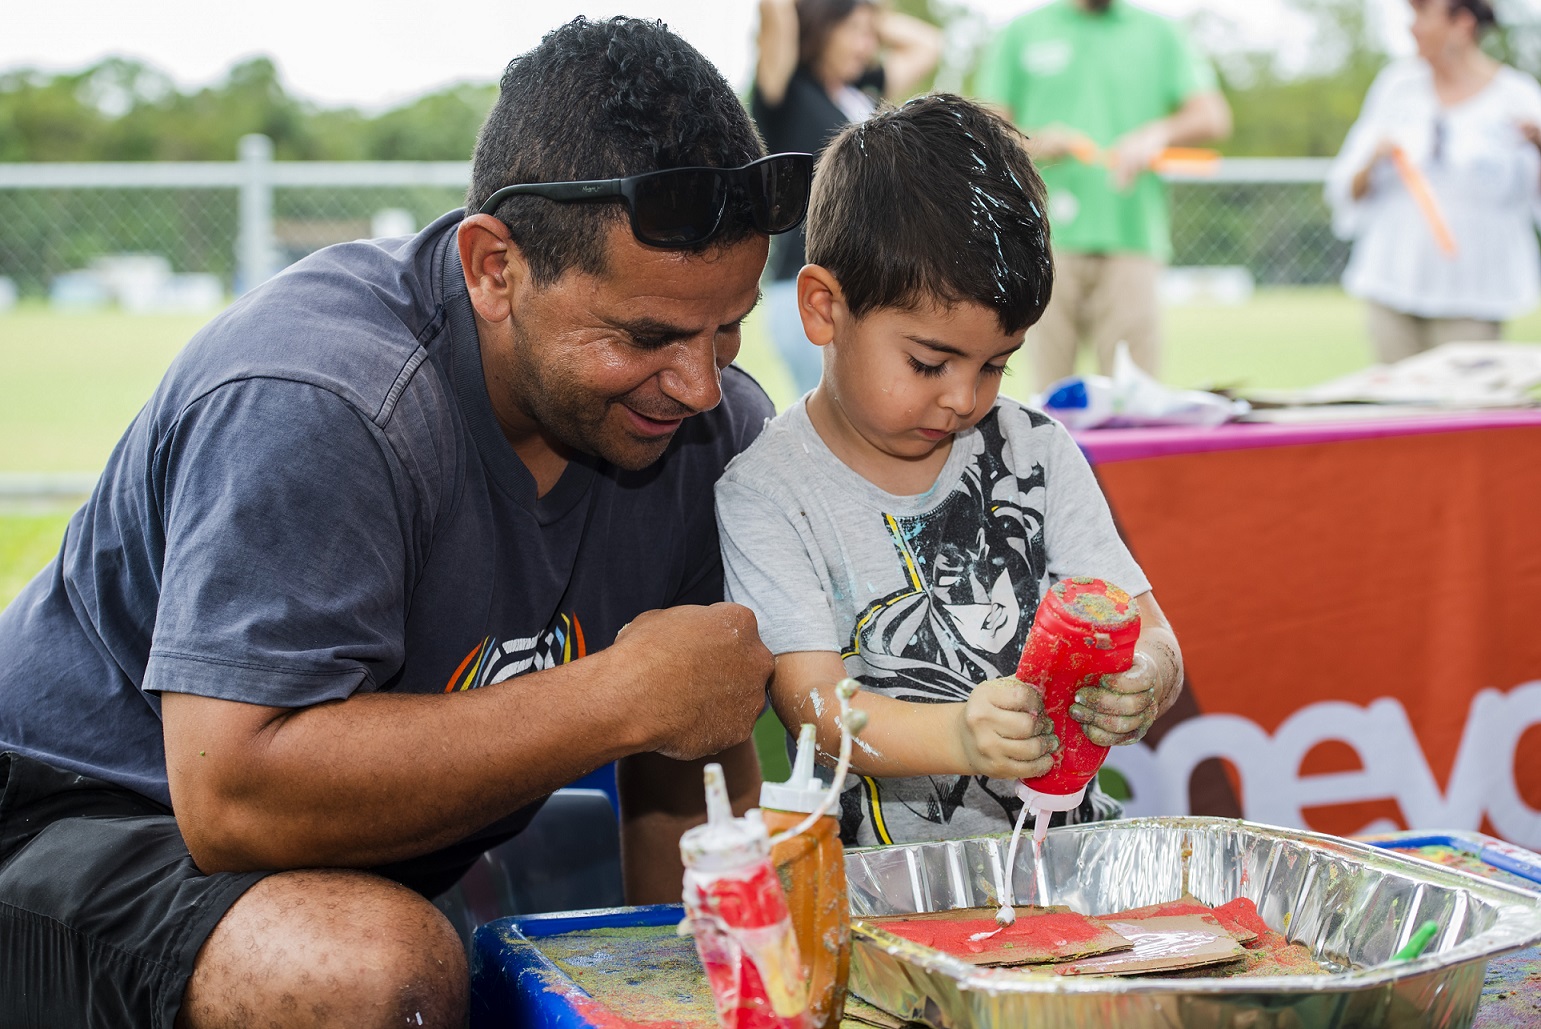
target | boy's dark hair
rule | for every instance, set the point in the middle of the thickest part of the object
(934, 201)
(599, 100)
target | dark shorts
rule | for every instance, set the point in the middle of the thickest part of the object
(102, 911)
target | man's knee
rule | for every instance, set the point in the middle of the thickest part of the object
(324, 948)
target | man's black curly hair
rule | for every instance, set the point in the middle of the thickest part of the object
(598, 100)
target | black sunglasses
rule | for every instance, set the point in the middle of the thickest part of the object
(683, 207)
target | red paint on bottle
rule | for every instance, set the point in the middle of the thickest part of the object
(738, 914)
(1084, 629)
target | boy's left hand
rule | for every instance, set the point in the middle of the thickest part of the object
(1122, 708)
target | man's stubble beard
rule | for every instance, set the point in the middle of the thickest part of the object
(570, 414)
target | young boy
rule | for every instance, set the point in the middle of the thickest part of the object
(901, 524)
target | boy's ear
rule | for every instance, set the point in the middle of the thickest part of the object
(820, 303)
(493, 265)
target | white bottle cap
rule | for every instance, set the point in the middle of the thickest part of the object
(724, 842)
(804, 791)
(1041, 803)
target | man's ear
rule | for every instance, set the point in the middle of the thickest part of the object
(820, 303)
(493, 265)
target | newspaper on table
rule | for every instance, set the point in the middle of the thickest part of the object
(1455, 375)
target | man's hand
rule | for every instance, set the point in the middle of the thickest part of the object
(1004, 732)
(1053, 142)
(706, 670)
(1135, 152)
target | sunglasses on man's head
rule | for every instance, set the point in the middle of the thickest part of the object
(683, 207)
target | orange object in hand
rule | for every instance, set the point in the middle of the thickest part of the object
(1192, 160)
(1423, 195)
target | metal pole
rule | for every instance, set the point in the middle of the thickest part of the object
(254, 254)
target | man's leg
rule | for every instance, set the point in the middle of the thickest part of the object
(104, 920)
(328, 948)
(1052, 343)
(1122, 307)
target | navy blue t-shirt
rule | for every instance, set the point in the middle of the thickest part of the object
(318, 500)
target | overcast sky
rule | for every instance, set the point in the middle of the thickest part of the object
(376, 54)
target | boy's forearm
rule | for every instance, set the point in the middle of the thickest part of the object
(902, 738)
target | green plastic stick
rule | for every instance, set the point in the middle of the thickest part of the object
(1417, 942)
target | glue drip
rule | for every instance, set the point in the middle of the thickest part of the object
(1006, 914)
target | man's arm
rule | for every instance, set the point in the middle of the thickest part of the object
(383, 777)
(1203, 118)
(660, 799)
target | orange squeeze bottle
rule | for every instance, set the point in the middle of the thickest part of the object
(811, 866)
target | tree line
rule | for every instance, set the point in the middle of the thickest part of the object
(124, 110)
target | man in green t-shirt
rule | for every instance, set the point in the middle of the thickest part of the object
(1101, 87)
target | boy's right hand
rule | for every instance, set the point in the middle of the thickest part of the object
(1005, 734)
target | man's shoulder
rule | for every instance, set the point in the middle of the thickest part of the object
(349, 319)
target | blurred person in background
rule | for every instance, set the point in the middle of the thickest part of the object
(1102, 87)
(821, 65)
(1472, 127)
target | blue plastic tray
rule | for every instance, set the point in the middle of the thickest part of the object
(1506, 856)
(516, 986)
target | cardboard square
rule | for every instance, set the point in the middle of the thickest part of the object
(1162, 943)
(1226, 916)
(1039, 936)
(858, 1010)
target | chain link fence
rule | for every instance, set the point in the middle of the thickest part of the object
(238, 222)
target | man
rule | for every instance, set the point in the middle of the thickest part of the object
(1101, 87)
(407, 538)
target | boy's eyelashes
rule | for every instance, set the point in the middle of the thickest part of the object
(927, 370)
(930, 371)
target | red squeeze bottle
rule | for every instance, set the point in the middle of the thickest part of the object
(1084, 629)
(737, 910)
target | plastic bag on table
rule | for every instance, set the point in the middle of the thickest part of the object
(1131, 397)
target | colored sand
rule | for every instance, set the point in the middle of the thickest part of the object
(1037, 936)
(1240, 931)
(648, 977)
(638, 975)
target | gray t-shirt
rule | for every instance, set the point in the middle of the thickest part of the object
(922, 596)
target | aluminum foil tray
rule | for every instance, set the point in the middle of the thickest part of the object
(1354, 905)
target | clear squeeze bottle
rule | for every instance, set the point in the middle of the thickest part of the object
(738, 914)
(811, 865)
(1084, 629)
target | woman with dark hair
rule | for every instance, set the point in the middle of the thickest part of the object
(1470, 127)
(823, 64)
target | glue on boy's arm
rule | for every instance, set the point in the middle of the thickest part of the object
(901, 738)
(999, 731)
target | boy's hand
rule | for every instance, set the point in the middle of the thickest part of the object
(1122, 709)
(1005, 733)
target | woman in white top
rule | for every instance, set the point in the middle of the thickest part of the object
(1470, 124)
